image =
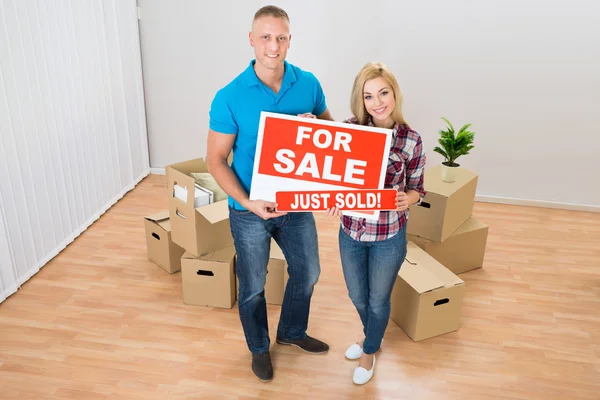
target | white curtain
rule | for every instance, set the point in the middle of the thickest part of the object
(8, 275)
(72, 124)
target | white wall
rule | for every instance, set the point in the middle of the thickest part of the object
(525, 73)
(72, 124)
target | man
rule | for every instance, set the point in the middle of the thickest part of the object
(271, 84)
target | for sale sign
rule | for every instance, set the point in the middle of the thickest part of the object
(303, 155)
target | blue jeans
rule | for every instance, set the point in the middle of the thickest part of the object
(296, 235)
(370, 270)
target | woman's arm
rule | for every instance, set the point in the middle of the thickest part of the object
(415, 167)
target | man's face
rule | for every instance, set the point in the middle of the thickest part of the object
(270, 38)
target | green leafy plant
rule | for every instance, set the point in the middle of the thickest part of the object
(454, 145)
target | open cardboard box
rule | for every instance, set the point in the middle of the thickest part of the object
(445, 207)
(427, 297)
(199, 230)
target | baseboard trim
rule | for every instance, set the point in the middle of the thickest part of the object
(157, 171)
(536, 203)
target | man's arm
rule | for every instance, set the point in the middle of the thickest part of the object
(219, 147)
(326, 115)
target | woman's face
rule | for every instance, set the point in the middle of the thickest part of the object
(379, 101)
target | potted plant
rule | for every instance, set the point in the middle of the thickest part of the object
(452, 146)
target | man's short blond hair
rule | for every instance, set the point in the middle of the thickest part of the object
(271, 11)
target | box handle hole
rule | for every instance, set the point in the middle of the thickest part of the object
(155, 235)
(179, 214)
(205, 273)
(440, 302)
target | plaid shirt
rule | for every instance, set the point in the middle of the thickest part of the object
(404, 172)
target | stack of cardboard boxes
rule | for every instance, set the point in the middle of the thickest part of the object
(444, 240)
(443, 225)
(193, 236)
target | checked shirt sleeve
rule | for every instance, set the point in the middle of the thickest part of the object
(416, 168)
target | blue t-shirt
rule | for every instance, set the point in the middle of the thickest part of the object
(236, 109)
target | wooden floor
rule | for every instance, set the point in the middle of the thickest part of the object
(102, 322)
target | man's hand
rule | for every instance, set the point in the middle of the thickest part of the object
(264, 209)
(307, 115)
(401, 201)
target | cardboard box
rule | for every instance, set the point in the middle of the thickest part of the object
(427, 297)
(209, 280)
(160, 247)
(446, 206)
(463, 251)
(277, 276)
(200, 230)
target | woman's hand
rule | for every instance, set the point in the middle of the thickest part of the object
(401, 201)
(307, 115)
(333, 212)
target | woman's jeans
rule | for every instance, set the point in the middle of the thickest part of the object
(370, 271)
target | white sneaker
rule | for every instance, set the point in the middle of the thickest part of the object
(354, 352)
(362, 376)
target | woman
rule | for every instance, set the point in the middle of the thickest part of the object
(373, 251)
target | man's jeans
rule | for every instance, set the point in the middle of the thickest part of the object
(370, 270)
(296, 234)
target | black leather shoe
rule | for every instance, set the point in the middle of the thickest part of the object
(308, 344)
(262, 367)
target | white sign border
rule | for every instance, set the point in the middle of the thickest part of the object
(259, 141)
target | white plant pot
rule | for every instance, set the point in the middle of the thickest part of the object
(449, 173)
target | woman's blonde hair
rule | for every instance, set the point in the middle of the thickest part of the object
(357, 103)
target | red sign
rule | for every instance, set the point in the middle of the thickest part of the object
(322, 153)
(384, 199)
(300, 155)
